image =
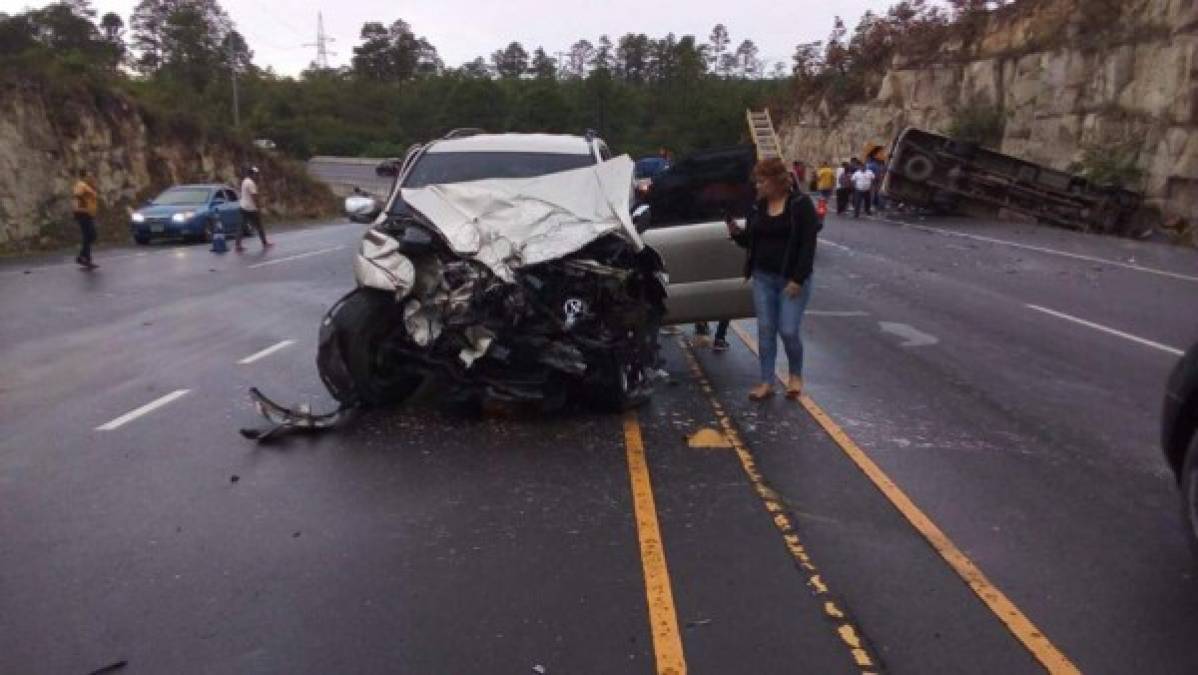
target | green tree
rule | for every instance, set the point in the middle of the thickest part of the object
(632, 58)
(543, 66)
(603, 57)
(476, 69)
(579, 57)
(719, 41)
(747, 64)
(372, 58)
(511, 61)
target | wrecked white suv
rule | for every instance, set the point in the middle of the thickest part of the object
(509, 266)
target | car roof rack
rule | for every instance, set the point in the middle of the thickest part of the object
(464, 132)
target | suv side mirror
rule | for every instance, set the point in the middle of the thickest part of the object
(362, 209)
(641, 217)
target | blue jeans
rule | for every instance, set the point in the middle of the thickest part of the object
(778, 316)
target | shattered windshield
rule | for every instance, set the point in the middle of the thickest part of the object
(183, 196)
(459, 167)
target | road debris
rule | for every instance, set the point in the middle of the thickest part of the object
(285, 419)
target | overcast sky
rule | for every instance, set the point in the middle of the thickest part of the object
(462, 30)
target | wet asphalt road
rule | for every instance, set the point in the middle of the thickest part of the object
(434, 540)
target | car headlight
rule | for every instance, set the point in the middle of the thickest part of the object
(138, 218)
(182, 217)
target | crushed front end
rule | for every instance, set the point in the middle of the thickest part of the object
(523, 290)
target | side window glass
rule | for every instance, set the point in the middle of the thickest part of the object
(701, 190)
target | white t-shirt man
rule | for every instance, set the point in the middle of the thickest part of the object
(863, 180)
(249, 194)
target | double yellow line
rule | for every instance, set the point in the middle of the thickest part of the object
(663, 615)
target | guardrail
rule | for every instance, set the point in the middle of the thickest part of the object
(343, 174)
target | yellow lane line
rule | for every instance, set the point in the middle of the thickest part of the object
(1015, 620)
(848, 633)
(663, 618)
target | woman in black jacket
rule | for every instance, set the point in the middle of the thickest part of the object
(779, 234)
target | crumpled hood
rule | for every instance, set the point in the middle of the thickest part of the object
(509, 223)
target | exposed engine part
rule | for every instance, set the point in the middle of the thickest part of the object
(522, 290)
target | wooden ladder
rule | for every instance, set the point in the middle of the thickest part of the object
(761, 129)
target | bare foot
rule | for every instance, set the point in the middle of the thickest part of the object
(761, 392)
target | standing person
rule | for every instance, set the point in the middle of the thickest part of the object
(879, 199)
(780, 234)
(799, 171)
(720, 343)
(825, 179)
(844, 187)
(250, 212)
(863, 183)
(85, 205)
(875, 165)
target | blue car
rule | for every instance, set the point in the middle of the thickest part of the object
(188, 212)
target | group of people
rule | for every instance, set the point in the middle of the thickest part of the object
(859, 185)
(85, 204)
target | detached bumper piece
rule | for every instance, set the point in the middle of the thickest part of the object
(283, 419)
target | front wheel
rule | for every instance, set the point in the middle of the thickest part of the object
(623, 383)
(352, 358)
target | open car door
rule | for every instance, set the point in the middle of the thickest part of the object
(687, 205)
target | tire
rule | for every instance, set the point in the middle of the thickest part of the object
(206, 234)
(1189, 493)
(918, 168)
(350, 357)
(616, 389)
(141, 240)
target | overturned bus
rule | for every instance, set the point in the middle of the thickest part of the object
(933, 171)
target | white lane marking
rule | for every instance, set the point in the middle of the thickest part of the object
(1050, 251)
(833, 244)
(266, 352)
(828, 312)
(913, 336)
(309, 254)
(144, 410)
(1090, 324)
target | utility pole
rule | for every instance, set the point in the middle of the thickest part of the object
(321, 44)
(233, 76)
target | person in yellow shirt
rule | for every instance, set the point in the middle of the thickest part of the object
(86, 203)
(825, 179)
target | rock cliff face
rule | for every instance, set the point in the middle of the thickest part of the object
(1066, 78)
(47, 135)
